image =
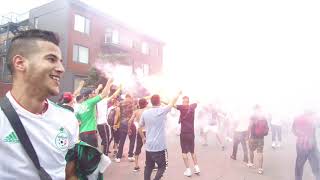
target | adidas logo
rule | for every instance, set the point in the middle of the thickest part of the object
(12, 138)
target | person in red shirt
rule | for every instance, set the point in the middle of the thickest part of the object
(187, 112)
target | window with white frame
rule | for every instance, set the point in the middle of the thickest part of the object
(145, 68)
(115, 37)
(145, 48)
(80, 54)
(111, 36)
(135, 44)
(108, 36)
(158, 51)
(36, 22)
(81, 24)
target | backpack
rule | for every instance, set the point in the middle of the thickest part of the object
(110, 117)
(87, 159)
(261, 128)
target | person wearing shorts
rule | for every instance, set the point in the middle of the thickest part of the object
(135, 120)
(213, 124)
(187, 137)
(256, 142)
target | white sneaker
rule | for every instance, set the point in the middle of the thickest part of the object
(187, 172)
(229, 139)
(117, 160)
(273, 145)
(278, 145)
(131, 159)
(260, 171)
(196, 169)
(250, 165)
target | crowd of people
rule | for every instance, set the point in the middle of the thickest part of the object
(71, 129)
(133, 118)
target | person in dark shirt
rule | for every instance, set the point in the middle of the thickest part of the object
(303, 128)
(125, 112)
(187, 134)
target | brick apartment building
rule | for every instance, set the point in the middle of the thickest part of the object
(86, 35)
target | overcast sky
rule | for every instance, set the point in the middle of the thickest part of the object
(263, 49)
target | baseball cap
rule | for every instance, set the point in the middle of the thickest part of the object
(67, 97)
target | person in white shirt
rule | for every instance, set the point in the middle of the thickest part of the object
(241, 126)
(35, 61)
(276, 129)
(102, 124)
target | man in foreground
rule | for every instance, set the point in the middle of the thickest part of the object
(35, 62)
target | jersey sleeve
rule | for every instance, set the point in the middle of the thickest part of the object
(93, 101)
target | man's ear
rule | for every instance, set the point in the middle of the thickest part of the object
(19, 63)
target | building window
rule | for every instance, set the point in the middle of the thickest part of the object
(158, 51)
(115, 37)
(80, 54)
(5, 74)
(145, 68)
(36, 22)
(81, 24)
(145, 48)
(134, 45)
(111, 36)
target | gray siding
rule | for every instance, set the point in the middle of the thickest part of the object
(54, 16)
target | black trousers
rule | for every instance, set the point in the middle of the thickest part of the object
(90, 138)
(123, 136)
(153, 158)
(312, 155)
(240, 137)
(104, 133)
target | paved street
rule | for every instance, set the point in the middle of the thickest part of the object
(217, 165)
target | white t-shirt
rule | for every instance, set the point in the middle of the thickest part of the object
(243, 125)
(242, 122)
(51, 134)
(276, 120)
(102, 108)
